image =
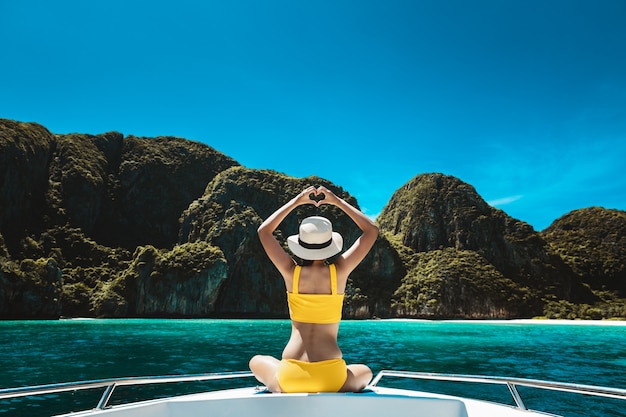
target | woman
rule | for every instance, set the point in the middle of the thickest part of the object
(312, 360)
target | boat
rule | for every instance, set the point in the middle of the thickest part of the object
(377, 399)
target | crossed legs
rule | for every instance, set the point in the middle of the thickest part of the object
(265, 370)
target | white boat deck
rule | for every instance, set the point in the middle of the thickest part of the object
(377, 402)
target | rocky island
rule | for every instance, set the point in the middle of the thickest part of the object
(120, 226)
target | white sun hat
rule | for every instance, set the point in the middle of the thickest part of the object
(316, 240)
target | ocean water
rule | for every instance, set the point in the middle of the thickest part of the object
(43, 352)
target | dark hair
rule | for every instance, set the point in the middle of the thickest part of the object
(309, 262)
(302, 262)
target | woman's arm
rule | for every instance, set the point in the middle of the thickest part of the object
(352, 257)
(281, 259)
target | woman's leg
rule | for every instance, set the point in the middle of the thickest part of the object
(264, 369)
(358, 378)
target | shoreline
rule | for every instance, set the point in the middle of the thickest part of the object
(555, 322)
(523, 321)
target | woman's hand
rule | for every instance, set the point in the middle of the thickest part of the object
(272, 247)
(325, 196)
(351, 258)
(316, 196)
(305, 196)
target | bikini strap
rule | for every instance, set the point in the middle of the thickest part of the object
(296, 279)
(333, 278)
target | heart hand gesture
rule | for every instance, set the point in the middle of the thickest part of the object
(322, 195)
(317, 196)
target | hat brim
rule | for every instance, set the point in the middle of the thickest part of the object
(315, 254)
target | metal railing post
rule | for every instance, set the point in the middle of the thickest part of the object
(106, 396)
(516, 397)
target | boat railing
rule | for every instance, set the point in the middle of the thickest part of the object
(511, 383)
(110, 384)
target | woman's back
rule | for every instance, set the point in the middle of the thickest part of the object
(315, 279)
(315, 308)
(312, 342)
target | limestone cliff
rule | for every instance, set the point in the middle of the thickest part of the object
(233, 207)
(30, 288)
(113, 226)
(593, 242)
(182, 282)
(447, 283)
(434, 211)
(25, 153)
(84, 203)
(128, 191)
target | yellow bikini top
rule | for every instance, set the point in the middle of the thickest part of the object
(315, 308)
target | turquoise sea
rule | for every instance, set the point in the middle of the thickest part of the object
(42, 352)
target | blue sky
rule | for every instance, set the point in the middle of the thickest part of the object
(524, 100)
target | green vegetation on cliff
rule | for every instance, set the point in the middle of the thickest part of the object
(114, 226)
(513, 270)
(228, 215)
(25, 153)
(451, 283)
(592, 242)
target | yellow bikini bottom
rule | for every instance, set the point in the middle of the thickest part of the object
(322, 376)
